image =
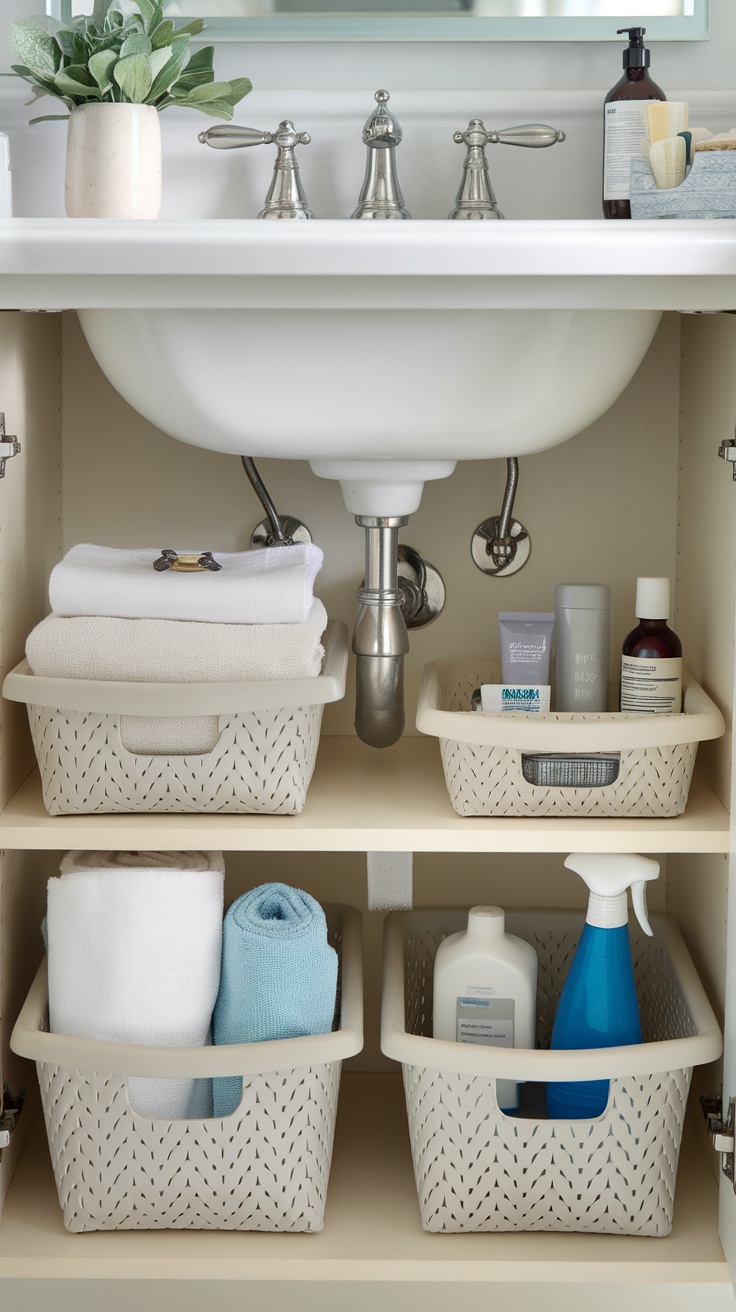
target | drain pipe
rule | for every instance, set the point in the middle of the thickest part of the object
(380, 638)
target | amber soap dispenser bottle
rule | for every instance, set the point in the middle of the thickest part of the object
(625, 132)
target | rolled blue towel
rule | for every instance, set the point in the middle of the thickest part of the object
(278, 977)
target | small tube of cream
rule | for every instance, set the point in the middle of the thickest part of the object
(526, 646)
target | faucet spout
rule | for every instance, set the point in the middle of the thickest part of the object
(380, 196)
(380, 638)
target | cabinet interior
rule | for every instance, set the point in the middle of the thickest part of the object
(641, 492)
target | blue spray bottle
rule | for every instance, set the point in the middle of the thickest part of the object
(598, 1007)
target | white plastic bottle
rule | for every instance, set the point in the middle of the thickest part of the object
(485, 990)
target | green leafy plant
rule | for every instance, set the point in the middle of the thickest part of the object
(125, 53)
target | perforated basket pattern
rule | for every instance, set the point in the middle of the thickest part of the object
(262, 764)
(265, 1167)
(481, 780)
(478, 1170)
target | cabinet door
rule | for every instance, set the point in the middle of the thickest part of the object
(727, 1188)
(706, 599)
(30, 543)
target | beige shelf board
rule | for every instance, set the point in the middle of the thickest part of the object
(361, 799)
(372, 1229)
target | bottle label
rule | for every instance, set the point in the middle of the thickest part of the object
(486, 1021)
(587, 679)
(625, 136)
(654, 686)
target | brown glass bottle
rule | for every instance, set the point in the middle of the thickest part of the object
(651, 656)
(637, 85)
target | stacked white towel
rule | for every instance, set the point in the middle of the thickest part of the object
(134, 945)
(146, 651)
(273, 585)
(118, 619)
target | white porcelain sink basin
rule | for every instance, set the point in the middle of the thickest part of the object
(391, 383)
(379, 343)
(379, 346)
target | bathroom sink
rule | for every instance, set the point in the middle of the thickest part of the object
(337, 342)
(370, 343)
(396, 382)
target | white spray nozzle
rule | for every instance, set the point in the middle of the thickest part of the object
(608, 876)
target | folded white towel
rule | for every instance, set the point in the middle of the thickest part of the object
(134, 944)
(273, 585)
(176, 651)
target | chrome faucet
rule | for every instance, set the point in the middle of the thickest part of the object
(475, 199)
(286, 198)
(381, 197)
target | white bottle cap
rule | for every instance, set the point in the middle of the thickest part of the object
(652, 599)
(486, 920)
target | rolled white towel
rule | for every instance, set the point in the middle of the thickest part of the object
(272, 585)
(176, 651)
(134, 943)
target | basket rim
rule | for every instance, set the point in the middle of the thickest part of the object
(28, 1039)
(531, 1064)
(109, 697)
(564, 731)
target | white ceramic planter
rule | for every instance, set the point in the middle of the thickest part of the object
(113, 162)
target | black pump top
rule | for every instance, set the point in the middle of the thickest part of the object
(637, 55)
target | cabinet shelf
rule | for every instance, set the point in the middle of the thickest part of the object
(364, 800)
(372, 1238)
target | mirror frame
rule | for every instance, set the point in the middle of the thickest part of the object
(693, 26)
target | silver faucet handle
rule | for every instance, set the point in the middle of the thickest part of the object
(228, 136)
(286, 136)
(528, 134)
(285, 199)
(475, 134)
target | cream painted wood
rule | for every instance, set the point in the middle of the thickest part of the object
(362, 800)
(704, 618)
(706, 524)
(30, 539)
(708, 373)
(30, 506)
(22, 905)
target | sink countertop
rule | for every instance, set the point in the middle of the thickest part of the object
(61, 263)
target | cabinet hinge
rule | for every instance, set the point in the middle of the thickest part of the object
(723, 1132)
(11, 1106)
(9, 446)
(727, 451)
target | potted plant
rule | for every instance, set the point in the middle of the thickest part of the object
(114, 72)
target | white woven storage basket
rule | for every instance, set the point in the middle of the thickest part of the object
(477, 1169)
(262, 763)
(265, 1167)
(561, 763)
